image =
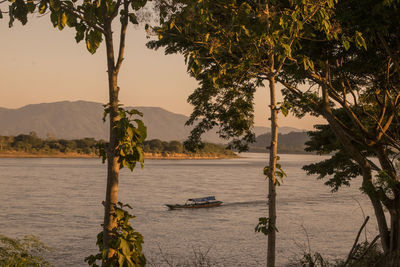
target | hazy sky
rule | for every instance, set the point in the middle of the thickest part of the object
(42, 64)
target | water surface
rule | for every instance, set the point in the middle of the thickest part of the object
(59, 200)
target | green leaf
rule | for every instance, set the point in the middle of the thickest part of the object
(141, 156)
(63, 21)
(142, 129)
(93, 40)
(284, 110)
(138, 4)
(134, 112)
(287, 49)
(54, 18)
(265, 226)
(31, 6)
(121, 259)
(55, 4)
(11, 15)
(346, 42)
(129, 132)
(246, 31)
(20, 11)
(133, 18)
(125, 248)
(110, 6)
(80, 34)
(42, 7)
(360, 40)
(266, 170)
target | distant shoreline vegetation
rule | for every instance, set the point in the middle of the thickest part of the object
(32, 146)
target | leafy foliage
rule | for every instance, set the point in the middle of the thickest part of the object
(127, 243)
(340, 169)
(265, 226)
(354, 84)
(130, 138)
(22, 252)
(229, 48)
(278, 173)
(86, 17)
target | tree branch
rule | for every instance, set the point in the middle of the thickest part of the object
(115, 13)
(387, 48)
(75, 12)
(343, 103)
(124, 26)
(353, 249)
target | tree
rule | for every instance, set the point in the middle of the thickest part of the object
(175, 147)
(93, 20)
(355, 87)
(156, 145)
(230, 48)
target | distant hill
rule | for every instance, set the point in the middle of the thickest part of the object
(259, 130)
(292, 142)
(80, 119)
(61, 119)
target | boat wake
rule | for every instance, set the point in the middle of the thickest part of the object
(245, 203)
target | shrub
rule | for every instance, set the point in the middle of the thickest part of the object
(22, 252)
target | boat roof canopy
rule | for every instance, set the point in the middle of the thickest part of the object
(202, 199)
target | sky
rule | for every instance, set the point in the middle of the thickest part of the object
(41, 64)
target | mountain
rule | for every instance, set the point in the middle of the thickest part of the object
(292, 142)
(259, 130)
(61, 119)
(79, 119)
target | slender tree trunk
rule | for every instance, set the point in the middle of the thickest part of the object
(272, 178)
(112, 159)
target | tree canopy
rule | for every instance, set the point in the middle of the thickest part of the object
(342, 63)
(228, 47)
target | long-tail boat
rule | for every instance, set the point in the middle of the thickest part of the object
(194, 203)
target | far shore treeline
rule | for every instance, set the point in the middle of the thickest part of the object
(32, 144)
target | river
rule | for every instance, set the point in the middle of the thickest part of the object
(59, 200)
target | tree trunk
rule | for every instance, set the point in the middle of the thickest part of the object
(271, 174)
(394, 254)
(326, 112)
(378, 209)
(112, 159)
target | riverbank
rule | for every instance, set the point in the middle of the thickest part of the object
(177, 156)
(188, 156)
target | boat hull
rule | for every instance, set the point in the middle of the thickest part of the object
(194, 206)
